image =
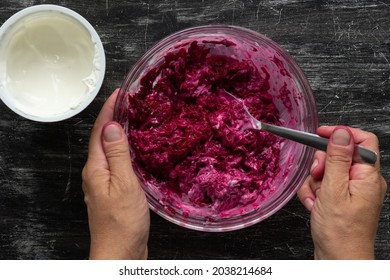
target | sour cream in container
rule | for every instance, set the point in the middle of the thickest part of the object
(52, 63)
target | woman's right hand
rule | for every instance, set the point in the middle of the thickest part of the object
(344, 198)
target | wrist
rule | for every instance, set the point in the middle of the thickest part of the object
(112, 250)
(364, 252)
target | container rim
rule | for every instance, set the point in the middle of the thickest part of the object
(95, 39)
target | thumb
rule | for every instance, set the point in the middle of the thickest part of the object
(338, 161)
(116, 149)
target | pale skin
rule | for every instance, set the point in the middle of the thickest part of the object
(344, 198)
(118, 213)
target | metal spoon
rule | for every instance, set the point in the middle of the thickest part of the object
(313, 140)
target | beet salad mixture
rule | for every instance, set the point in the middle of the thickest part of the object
(189, 138)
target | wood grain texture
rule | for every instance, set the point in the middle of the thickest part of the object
(343, 46)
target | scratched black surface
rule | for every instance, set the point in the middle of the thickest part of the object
(342, 46)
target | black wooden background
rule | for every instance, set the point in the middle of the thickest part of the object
(343, 46)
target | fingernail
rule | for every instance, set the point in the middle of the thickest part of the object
(112, 133)
(308, 203)
(341, 137)
(314, 165)
(318, 192)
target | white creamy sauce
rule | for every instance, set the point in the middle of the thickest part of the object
(48, 63)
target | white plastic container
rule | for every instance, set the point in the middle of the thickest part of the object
(52, 63)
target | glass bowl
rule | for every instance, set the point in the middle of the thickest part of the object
(296, 108)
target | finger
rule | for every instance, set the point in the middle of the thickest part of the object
(318, 167)
(96, 167)
(315, 186)
(361, 137)
(338, 162)
(95, 151)
(306, 195)
(116, 150)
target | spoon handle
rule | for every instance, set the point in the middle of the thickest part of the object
(313, 140)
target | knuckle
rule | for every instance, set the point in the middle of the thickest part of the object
(92, 176)
(374, 138)
(339, 158)
(86, 199)
(117, 151)
(85, 173)
(90, 171)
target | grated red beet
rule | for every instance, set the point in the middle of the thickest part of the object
(188, 137)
